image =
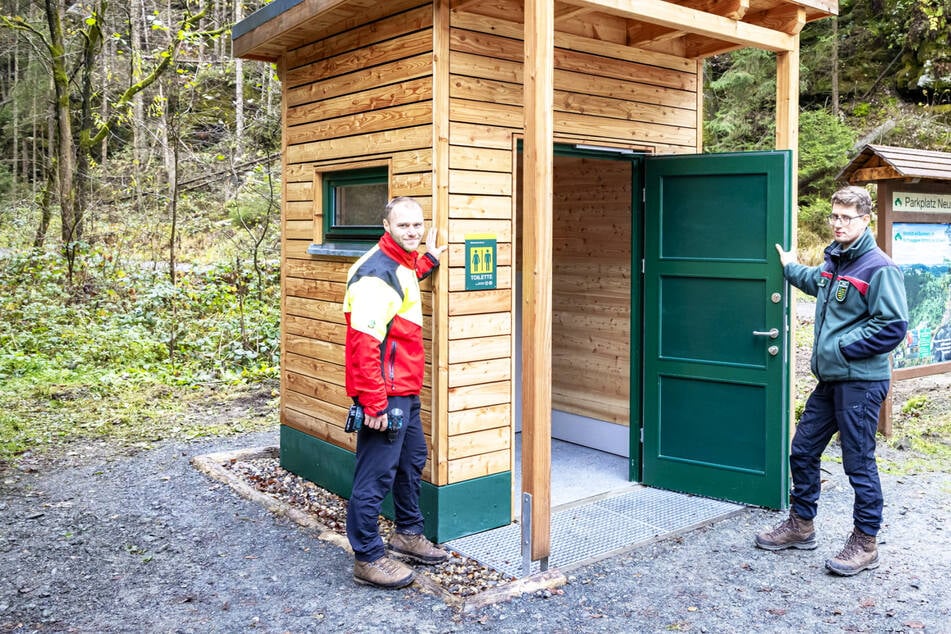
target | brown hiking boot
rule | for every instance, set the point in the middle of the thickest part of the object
(383, 573)
(860, 553)
(793, 532)
(417, 548)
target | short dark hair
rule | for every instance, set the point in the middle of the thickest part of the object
(397, 202)
(853, 196)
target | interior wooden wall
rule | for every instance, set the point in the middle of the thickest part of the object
(591, 288)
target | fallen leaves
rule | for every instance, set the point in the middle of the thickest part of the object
(460, 576)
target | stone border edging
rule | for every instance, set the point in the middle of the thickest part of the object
(212, 465)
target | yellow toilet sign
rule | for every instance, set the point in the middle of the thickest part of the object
(481, 257)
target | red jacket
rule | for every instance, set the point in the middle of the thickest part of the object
(384, 312)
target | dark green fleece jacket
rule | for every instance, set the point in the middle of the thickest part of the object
(861, 310)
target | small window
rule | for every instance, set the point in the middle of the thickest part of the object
(353, 203)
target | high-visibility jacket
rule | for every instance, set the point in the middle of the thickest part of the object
(384, 312)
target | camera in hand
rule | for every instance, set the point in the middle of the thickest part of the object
(356, 415)
(394, 422)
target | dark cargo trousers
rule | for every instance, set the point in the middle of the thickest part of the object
(850, 408)
(384, 464)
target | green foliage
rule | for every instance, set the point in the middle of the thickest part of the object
(6, 180)
(922, 429)
(824, 145)
(920, 31)
(122, 335)
(914, 404)
(739, 100)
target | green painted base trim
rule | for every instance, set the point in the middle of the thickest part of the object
(450, 511)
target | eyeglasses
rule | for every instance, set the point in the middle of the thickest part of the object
(842, 220)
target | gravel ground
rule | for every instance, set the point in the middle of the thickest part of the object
(146, 543)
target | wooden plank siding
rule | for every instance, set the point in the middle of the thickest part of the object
(361, 96)
(367, 95)
(605, 93)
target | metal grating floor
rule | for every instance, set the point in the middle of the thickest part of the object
(589, 530)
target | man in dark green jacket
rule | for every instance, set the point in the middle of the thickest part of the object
(861, 316)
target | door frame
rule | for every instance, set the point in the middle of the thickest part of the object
(635, 421)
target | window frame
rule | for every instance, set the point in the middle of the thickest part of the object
(326, 180)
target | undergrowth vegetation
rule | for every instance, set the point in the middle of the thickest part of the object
(124, 353)
(922, 427)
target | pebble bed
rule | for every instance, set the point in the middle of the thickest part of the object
(460, 576)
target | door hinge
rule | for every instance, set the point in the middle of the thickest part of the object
(643, 194)
(643, 266)
(642, 435)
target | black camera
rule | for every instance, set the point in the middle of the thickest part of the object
(355, 419)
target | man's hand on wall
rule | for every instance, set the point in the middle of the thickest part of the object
(431, 247)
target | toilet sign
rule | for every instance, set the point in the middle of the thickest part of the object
(481, 258)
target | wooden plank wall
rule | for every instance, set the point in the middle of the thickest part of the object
(605, 93)
(366, 94)
(591, 288)
(361, 95)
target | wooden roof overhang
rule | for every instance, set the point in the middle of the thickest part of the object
(886, 163)
(688, 28)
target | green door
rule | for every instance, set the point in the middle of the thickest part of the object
(716, 356)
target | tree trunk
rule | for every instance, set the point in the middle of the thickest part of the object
(15, 117)
(835, 66)
(136, 20)
(238, 92)
(107, 55)
(65, 147)
(45, 203)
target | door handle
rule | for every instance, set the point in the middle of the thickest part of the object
(772, 333)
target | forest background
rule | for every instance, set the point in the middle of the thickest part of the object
(140, 185)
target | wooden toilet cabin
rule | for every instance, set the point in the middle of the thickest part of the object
(605, 283)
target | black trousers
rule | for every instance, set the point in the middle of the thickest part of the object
(850, 408)
(384, 465)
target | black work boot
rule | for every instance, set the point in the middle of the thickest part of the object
(793, 532)
(860, 553)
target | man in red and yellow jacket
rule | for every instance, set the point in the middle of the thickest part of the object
(385, 363)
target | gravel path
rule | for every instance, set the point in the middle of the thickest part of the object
(146, 543)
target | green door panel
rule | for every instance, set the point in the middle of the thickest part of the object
(715, 393)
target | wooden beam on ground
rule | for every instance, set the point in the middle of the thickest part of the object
(537, 268)
(690, 20)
